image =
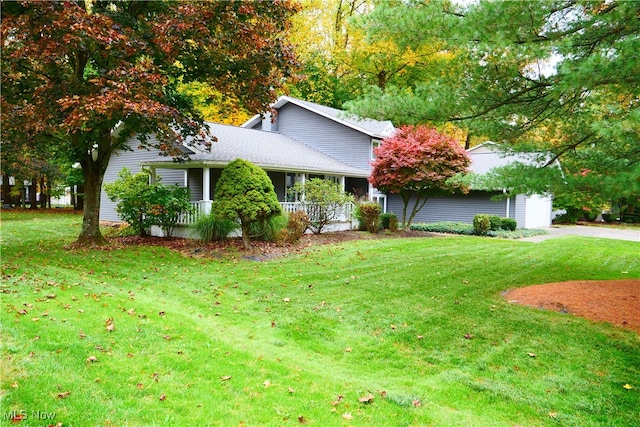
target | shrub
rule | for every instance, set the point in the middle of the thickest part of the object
(119, 230)
(134, 197)
(370, 216)
(142, 204)
(495, 222)
(269, 230)
(445, 227)
(244, 192)
(296, 226)
(386, 219)
(213, 229)
(393, 224)
(169, 202)
(481, 224)
(323, 200)
(509, 224)
(570, 216)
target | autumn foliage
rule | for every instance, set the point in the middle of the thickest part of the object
(418, 162)
(84, 76)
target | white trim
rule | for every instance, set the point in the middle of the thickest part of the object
(206, 183)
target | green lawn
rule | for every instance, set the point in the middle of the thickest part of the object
(418, 324)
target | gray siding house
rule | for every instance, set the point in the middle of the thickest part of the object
(529, 211)
(303, 140)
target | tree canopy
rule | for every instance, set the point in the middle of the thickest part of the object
(555, 77)
(418, 163)
(87, 75)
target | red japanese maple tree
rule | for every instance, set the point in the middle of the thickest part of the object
(85, 76)
(418, 163)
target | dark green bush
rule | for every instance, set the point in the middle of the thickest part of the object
(370, 216)
(386, 219)
(571, 216)
(495, 222)
(481, 224)
(509, 224)
(445, 227)
(213, 229)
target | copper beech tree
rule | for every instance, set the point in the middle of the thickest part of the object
(418, 162)
(86, 75)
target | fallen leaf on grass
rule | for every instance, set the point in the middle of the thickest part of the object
(366, 399)
(14, 384)
(552, 414)
(92, 359)
(302, 420)
(416, 403)
(225, 378)
(266, 383)
(286, 299)
(63, 394)
(23, 312)
(291, 390)
(347, 416)
(163, 397)
(627, 386)
(531, 354)
(338, 400)
(108, 325)
(468, 336)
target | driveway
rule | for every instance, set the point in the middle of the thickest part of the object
(582, 230)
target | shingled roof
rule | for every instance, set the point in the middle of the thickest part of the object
(269, 150)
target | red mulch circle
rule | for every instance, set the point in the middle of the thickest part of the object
(613, 301)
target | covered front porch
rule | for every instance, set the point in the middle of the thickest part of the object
(201, 179)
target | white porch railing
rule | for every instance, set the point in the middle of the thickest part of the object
(203, 207)
(344, 213)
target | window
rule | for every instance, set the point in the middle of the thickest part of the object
(375, 143)
(380, 199)
(290, 181)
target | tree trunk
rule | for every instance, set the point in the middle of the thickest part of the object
(90, 235)
(246, 234)
(79, 204)
(33, 188)
(6, 190)
(43, 193)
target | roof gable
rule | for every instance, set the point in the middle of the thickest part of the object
(373, 128)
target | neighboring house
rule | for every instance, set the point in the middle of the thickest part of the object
(302, 141)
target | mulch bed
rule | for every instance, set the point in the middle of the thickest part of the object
(613, 301)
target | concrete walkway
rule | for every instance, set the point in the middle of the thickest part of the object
(582, 230)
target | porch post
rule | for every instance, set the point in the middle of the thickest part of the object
(152, 175)
(342, 183)
(206, 183)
